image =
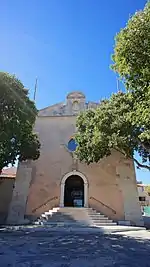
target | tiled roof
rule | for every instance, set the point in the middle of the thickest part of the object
(142, 185)
(9, 172)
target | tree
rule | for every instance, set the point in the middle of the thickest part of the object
(122, 122)
(132, 51)
(17, 117)
(132, 63)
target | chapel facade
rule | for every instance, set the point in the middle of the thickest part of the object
(58, 179)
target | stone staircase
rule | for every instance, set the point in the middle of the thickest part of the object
(74, 217)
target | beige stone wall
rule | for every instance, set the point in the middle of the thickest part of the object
(127, 183)
(6, 190)
(19, 197)
(104, 192)
(108, 192)
(54, 162)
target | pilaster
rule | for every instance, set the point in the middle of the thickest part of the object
(127, 184)
(20, 194)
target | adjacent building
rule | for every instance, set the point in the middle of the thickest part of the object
(7, 181)
(144, 196)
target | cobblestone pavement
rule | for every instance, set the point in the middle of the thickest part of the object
(68, 249)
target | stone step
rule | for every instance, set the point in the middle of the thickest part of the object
(65, 217)
(50, 213)
(73, 213)
(75, 208)
(64, 224)
(62, 219)
(95, 213)
(65, 213)
(99, 219)
(97, 216)
(81, 220)
(59, 218)
(67, 221)
(105, 224)
(74, 217)
(59, 215)
(102, 221)
(70, 224)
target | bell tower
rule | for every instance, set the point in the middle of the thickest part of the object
(75, 103)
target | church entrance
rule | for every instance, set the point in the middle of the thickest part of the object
(74, 192)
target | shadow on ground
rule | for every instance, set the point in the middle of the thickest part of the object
(68, 249)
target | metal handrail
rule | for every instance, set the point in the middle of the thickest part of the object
(104, 204)
(44, 204)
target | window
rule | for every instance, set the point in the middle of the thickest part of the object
(72, 145)
(141, 198)
(75, 106)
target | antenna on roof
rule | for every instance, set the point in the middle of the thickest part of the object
(117, 85)
(35, 90)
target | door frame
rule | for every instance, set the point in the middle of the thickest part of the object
(62, 187)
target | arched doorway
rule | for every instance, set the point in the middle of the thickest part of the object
(74, 181)
(74, 192)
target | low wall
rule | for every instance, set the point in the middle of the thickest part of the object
(6, 190)
(146, 221)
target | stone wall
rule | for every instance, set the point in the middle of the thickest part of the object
(6, 190)
(108, 190)
(19, 198)
(53, 163)
(127, 183)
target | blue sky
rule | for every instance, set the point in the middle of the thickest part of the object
(67, 44)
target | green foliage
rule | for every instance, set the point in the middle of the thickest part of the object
(123, 121)
(132, 63)
(17, 117)
(109, 127)
(147, 188)
(132, 51)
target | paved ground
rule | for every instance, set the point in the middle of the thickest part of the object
(66, 249)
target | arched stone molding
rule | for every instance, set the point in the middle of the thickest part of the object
(62, 187)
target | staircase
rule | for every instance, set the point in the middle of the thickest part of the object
(74, 217)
